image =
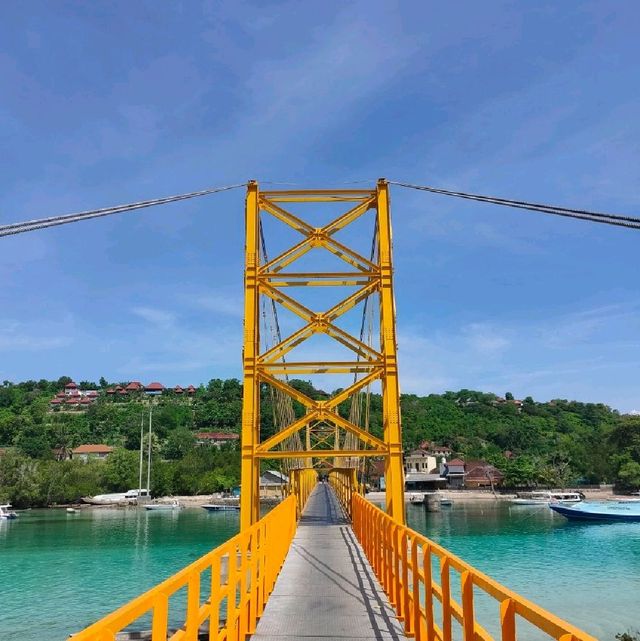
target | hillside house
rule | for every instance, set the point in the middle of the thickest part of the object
(215, 439)
(454, 471)
(91, 452)
(481, 474)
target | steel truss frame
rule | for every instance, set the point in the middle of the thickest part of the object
(322, 421)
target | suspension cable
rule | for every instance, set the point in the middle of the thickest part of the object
(630, 222)
(52, 221)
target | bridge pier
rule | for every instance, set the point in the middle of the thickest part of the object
(326, 588)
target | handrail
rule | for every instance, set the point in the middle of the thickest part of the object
(344, 482)
(301, 483)
(403, 561)
(243, 572)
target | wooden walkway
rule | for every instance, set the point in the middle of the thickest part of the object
(326, 588)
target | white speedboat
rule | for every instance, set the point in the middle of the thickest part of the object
(220, 507)
(131, 496)
(6, 512)
(545, 497)
(160, 507)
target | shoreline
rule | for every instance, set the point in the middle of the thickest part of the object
(473, 496)
(461, 496)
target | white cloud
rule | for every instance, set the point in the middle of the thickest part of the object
(486, 339)
(225, 304)
(16, 336)
(158, 317)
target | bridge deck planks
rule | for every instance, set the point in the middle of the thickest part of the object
(326, 588)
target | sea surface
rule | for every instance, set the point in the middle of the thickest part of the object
(60, 572)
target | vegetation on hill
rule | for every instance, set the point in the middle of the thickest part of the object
(556, 443)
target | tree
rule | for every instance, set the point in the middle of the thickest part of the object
(32, 441)
(508, 396)
(629, 475)
(121, 470)
(179, 443)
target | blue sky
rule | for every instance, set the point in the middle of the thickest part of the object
(105, 103)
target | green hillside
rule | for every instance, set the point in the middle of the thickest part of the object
(556, 443)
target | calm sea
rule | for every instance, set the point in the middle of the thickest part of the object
(60, 572)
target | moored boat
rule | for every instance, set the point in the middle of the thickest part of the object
(609, 511)
(544, 497)
(118, 498)
(220, 507)
(161, 507)
(6, 512)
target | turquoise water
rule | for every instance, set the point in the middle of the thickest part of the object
(60, 572)
(588, 574)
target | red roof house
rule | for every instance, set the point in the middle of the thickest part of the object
(134, 386)
(71, 385)
(215, 438)
(191, 389)
(178, 390)
(92, 451)
(154, 388)
(482, 474)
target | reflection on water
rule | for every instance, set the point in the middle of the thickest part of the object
(588, 574)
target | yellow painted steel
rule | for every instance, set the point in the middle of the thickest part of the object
(240, 576)
(250, 465)
(268, 277)
(345, 484)
(301, 483)
(406, 562)
(414, 572)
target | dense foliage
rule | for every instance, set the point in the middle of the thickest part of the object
(556, 443)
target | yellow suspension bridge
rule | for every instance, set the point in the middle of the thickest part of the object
(325, 563)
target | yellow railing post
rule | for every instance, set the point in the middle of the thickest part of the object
(394, 550)
(253, 560)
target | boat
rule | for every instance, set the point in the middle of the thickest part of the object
(545, 497)
(599, 511)
(131, 496)
(160, 507)
(71, 510)
(6, 512)
(220, 507)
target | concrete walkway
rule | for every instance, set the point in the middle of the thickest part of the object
(326, 588)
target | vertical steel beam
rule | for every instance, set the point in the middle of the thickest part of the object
(393, 471)
(250, 491)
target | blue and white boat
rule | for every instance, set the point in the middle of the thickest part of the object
(609, 511)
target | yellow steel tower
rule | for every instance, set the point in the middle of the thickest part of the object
(322, 421)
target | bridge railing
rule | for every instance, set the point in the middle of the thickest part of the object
(301, 483)
(344, 482)
(416, 574)
(240, 574)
